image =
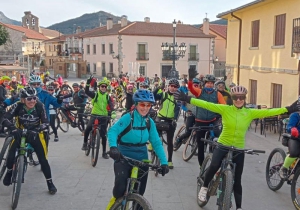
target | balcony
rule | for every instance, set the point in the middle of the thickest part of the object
(167, 57)
(193, 56)
(142, 56)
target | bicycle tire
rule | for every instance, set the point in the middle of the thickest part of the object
(294, 190)
(95, 149)
(80, 126)
(3, 167)
(6, 143)
(227, 188)
(200, 178)
(191, 142)
(136, 198)
(17, 181)
(87, 152)
(157, 162)
(179, 132)
(275, 169)
(63, 123)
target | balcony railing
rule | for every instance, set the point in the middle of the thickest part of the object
(167, 57)
(193, 56)
(142, 56)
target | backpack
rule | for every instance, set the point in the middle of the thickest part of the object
(129, 127)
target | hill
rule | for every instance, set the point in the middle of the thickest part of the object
(86, 21)
(7, 20)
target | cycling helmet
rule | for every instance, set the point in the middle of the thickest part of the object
(144, 84)
(75, 85)
(3, 78)
(232, 85)
(27, 92)
(129, 87)
(209, 78)
(47, 73)
(174, 82)
(103, 82)
(219, 82)
(13, 77)
(50, 87)
(57, 75)
(238, 90)
(143, 96)
(34, 79)
(196, 80)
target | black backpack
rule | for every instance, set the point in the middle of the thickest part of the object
(129, 127)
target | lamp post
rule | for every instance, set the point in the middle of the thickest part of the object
(119, 63)
(174, 51)
(35, 50)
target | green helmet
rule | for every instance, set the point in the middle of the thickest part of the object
(5, 78)
(103, 82)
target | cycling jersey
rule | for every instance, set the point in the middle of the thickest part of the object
(294, 121)
(47, 99)
(236, 120)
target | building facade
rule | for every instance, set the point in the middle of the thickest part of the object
(260, 53)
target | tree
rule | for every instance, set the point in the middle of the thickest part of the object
(4, 35)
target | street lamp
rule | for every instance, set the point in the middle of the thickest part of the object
(174, 51)
(35, 51)
(114, 56)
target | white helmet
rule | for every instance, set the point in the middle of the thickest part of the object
(236, 90)
(34, 79)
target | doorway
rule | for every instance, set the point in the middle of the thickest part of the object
(165, 70)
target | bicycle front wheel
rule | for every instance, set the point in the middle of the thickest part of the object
(200, 179)
(63, 123)
(178, 134)
(18, 174)
(190, 147)
(133, 201)
(95, 145)
(227, 187)
(4, 148)
(295, 189)
(274, 163)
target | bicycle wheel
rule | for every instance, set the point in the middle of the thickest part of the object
(200, 179)
(63, 123)
(190, 147)
(274, 163)
(181, 131)
(295, 190)
(133, 201)
(4, 148)
(80, 126)
(95, 148)
(89, 143)
(17, 177)
(157, 162)
(227, 187)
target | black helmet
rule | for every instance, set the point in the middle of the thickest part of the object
(75, 85)
(219, 82)
(174, 82)
(27, 92)
(209, 78)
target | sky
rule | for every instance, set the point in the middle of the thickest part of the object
(55, 11)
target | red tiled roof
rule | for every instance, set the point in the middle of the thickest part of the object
(30, 34)
(219, 29)
(163, 29)
(102, 31)
(50, 33)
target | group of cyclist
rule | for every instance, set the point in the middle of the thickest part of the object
(205, 101)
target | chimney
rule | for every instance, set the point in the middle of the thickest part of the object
(147, 19)
(205, 28)
(109, 23)
(27, 12)
(78, 30)
(123, 20)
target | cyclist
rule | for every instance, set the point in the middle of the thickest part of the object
(133, 143)
(102, 106)
(4, 82)
(129, 100)
(221, 87)
(293, 128)
(52, 112)
(204, 117)
(30, 114)
(79, 99)
(14, 83)
(168, 111)
(65, 85)
(236, 119)
(82, 84)
(156, 79)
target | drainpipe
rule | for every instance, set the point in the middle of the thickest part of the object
(240, 47)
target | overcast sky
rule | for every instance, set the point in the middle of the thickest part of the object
(55, 11)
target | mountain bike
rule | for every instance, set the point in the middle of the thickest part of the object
(132, 199)
(93, 144)
(222, 184)
(73, 119)
(191, 144)
(275, 182)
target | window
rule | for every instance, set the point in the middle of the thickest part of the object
(111, 67)
(111, 48)
(95, 68)
(253, 91)
(50, 62)
(94, 49)
(103, 49)
(193, 55)
(49, 48)
(280, 29)
(32, 45)
(54, 48)
(142, 70)
(39, 44)
(276, 95)
(88, 68)
(103, 68)
(88, 49)
(255, 33)
(66, 46)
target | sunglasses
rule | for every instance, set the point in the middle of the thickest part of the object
(235, 97)
(173, 86)
(35, 84)
(143, 105)
(103, 86)
(31, 98)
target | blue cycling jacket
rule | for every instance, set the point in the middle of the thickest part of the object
(294, 121)
(135, 136)
(47, 99)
